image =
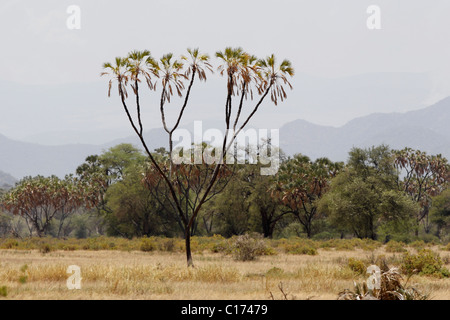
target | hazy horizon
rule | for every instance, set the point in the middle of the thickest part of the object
(51, 83)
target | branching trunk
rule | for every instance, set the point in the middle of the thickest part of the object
(197, 194)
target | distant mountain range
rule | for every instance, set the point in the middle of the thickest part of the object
(57, 114)
(21, 159)
(426, 129)
(6, 180)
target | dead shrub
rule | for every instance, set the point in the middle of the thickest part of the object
(391, 288)
(248, 247)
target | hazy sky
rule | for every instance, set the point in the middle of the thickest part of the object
(323, 38)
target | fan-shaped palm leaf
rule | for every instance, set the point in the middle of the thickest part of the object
(274, 77)
(141, 63)
(117, 72)
(172, 75)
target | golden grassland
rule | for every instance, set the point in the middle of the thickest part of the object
(130, 273)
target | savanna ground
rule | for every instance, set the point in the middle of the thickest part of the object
(156, 269)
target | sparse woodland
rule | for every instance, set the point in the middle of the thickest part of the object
(113, 194)
(130, 198)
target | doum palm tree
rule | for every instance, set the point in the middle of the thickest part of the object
(244, 73)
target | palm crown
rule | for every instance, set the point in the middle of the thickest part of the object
(141, 63)
(239, 67)
(244, 69)
(275, 77)
(199, 63)
(118, 72)
(171, 73)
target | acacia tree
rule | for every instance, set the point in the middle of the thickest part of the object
(228, 214)
(363, 196)
(265, 206)
(135, 209)
(424, 176)
(40, 200)
(440, 212)
(301, 183)
(243, 72)
(101, 171)
(244, 205)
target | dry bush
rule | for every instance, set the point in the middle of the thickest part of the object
(391, 288)
(248, 247)
(394, 246)
(147, 245)
(301, 248)
(357, 265)
(168, 245)
(45, 248)
(274, 272)
(284, 294)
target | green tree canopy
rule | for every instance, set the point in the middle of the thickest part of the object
(440, 212)
(301, 183)
(424, 176)
(40, 199)
(364, 196)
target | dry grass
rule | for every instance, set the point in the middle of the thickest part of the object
(30, 274)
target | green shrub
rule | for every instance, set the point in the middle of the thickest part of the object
(268, 251)
(221, 247)
(325, 236)
(344, 245)
(370, 245)
(357, 265)
(69, 247)
(10, 243)
(394, 246)
(111, 245)
(430, 238)
(296, 245)
(425, 262)
(341, 244)
(3, 291)
(300, 248)
(23, 279)
(45, 248)
(274, 272)
(91, 244)
(418, 244)
(147, 245)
